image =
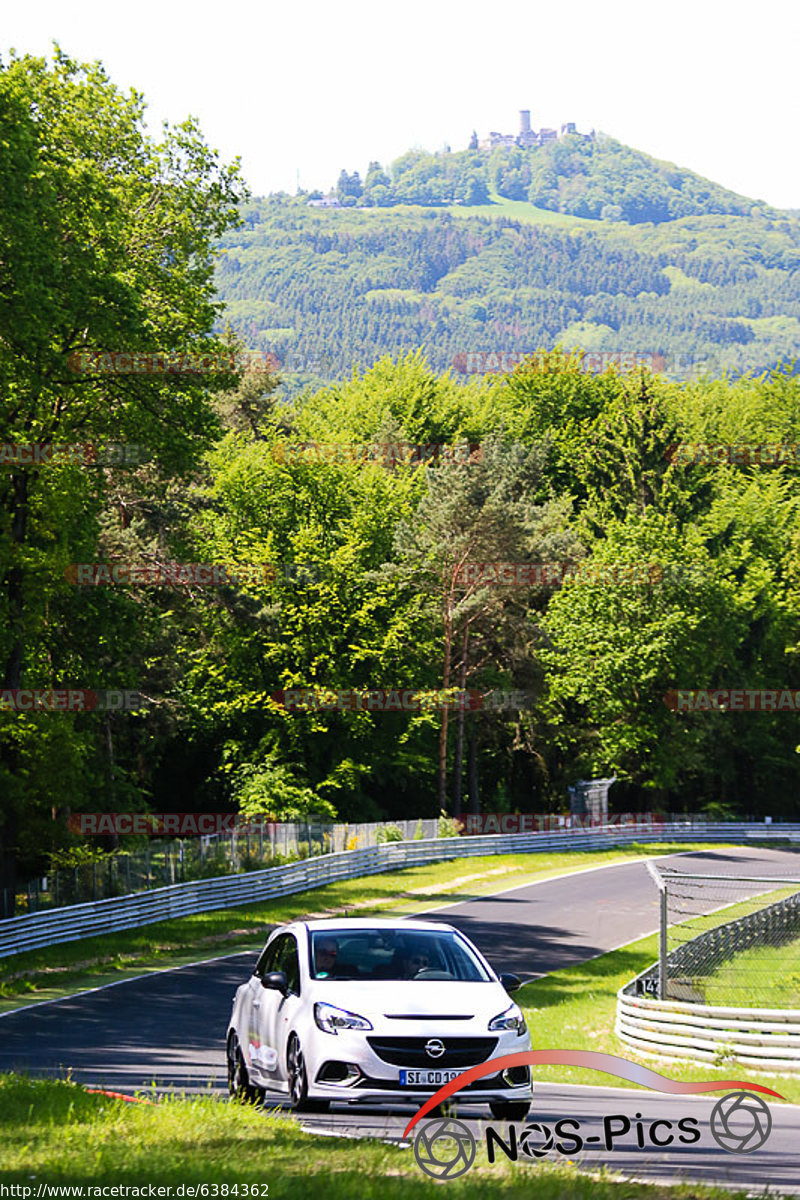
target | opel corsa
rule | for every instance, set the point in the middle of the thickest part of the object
(375, 1011)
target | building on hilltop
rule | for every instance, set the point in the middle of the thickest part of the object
(329, 201)
(531, 137)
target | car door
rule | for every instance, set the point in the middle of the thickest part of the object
(259, 1054)
(277, 1011)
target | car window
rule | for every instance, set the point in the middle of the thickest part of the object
(287, 961)
(393, 955)
(266, 962)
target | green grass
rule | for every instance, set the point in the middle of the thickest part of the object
(575, 1009)
(54, 1132)
(520, 210)
(61, 970)
(761, 977)
(745, 979)
(692, 927)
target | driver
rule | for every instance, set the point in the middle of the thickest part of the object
(327, 961)
(325, 955)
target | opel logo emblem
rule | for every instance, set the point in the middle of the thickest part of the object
(434, 1048)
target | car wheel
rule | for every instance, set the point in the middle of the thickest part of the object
(239, 1085)
(298, 1080)
(510, 1110)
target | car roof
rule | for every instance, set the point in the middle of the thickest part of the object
(345, 924)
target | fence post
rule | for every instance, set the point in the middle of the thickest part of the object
(662, 949)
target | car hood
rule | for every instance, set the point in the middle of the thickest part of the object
(436, 999)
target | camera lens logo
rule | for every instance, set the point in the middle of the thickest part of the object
(536, 1140)
(444, 1148)
(741, 1122)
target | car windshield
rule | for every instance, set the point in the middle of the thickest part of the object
(391, 954)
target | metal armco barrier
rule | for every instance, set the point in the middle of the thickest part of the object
(180, 900)
(766, 1038)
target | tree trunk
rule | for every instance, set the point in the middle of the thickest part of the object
(474, 797)
(459, 754)
(12, 674)
(448, 653)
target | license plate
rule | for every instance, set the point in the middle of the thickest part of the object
(427, 1078)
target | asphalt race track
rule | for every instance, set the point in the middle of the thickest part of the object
(167, 1029)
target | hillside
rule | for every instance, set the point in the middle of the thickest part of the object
(324, 289)
(592, 176)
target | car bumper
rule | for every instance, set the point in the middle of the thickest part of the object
(370, 1078)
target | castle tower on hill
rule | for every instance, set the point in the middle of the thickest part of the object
(528, 136)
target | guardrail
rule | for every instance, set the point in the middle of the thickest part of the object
(767, 1038)
(55, 926)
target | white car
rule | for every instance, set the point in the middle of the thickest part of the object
(375, 1011)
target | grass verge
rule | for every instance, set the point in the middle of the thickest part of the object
(52, 1132)
(61, 970)
(761, 977)
(575, 1009)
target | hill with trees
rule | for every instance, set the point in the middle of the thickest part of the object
(595, 177)
(322, 289)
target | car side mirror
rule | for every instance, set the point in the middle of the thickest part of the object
(511, 982)
(277, 981)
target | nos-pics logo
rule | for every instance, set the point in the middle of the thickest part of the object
(445, 1148)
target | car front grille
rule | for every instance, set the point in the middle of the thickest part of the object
(411, 1052)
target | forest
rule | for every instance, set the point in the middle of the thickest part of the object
(623, 569)
(322, 290)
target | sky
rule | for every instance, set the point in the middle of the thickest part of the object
(315, 87)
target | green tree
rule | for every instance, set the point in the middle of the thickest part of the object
(106, 245)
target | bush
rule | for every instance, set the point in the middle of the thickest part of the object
(448, 826)
(389, 833)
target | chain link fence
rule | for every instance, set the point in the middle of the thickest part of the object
(729, 940)
(160, 863)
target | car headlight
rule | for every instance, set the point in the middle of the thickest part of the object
(512, 1019)
(331, 1019)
